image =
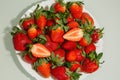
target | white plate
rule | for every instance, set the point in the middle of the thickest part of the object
(27, 66)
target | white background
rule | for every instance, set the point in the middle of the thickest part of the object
(107, 14)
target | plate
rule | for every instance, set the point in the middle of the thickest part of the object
(27, 66)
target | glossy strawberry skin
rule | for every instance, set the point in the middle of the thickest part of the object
(75, 66)
(90, 66)
(85, 16)
(41, 21)
(28, 59)
(69, 45)
(73, 24)
(83, 42)
(20, 40)
(32, 32)
(57, 35)
(89, 48)
(59, 8)
(80, 57)
(76, 10)
(60, 52)
(95, 37)
(44, 69)
(50, 22)
(59, 73)
(27, 22)
(71, 56)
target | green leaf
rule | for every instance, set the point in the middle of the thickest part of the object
(66, 28)
(68, 64)
(92, 56)
(52, 9)
(75, 76)
(99, 56)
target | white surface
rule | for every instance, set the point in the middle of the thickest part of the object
(106, 13)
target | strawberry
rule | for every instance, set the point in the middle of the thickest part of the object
(69, 45)
(59, 73)
(96, 35)
(86, 40)
(89, 48)
(83, 42)
(20, 40)
(50, 22)
(69, 19)
(29, 59)
(86, 17)
(74, 34)
(43, 68)
(73, 24)
(51, 46)
(71, 56)
(76, 10)
(41, 21)
(32, 32)
(40, 51)
(57, 35)
(75, 66)
(39, 32)
(26, 22)
(59, 7)
(60, 52)
(89, 66)
(80, 57)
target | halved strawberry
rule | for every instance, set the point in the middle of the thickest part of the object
(73, 24)
(40, 51)
(86, 17)
(74, 34)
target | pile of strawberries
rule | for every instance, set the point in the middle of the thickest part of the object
(59, 41)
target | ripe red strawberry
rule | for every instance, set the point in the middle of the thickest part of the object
(41, 21)
(89, 66)
(74, 34)
(40, 51)
(28, 59)
(51, 46)
(73, 24)
(71, 56)
(89, 48)
(57, 35)
(44, 69)
(27, 22)
(60, 52)
(20, 40)
(75, 66)
(85, 16)
(59, 73)
(32, 32)
(80, 57)
(50, 22)
(76, 10)
(83, 42)
(69, 45)
(59, 7)
(70, 18)
(39, 32)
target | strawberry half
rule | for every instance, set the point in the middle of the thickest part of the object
(74, 34)
(40, 51)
